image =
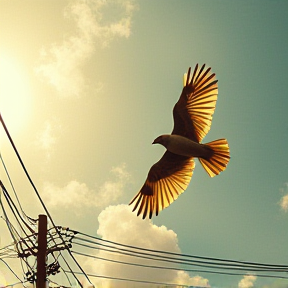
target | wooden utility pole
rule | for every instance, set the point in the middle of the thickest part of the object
(41, 255)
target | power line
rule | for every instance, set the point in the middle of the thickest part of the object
(261, 270)
(177, 257)
(182, 262)
(176, 268)
(15, 212)
(12, 285)
(11, 183)
(12, 272)
(39, 197)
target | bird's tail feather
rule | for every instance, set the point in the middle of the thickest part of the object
(220, 158)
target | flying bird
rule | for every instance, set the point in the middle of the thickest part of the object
(192, 115)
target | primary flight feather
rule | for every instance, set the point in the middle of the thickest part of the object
(192, 114)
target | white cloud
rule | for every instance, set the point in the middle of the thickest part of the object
(119, 224)
(110, 191)
(247, 281)
(72, 195)
(79, 196)
(284, 199)
(284, 203)
(197, 281)
(63, 64)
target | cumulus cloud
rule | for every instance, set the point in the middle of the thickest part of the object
(284, 203)
(284, 199)
(98, 23)
(119, 224)
(247, 281)
(78, 196)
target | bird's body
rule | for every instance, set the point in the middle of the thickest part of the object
(171, 175)
(184, 146)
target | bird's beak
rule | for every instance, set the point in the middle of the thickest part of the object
(155, 141)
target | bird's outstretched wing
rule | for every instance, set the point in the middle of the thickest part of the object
(166, 180)
(194, 110)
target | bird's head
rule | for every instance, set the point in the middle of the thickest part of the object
(163, 140)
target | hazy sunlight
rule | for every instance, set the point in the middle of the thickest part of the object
(14, 93)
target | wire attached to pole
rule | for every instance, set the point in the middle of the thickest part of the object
(40, 199)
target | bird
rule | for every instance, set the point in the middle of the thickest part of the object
(192, 115)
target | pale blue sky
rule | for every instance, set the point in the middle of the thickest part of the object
(113, 90)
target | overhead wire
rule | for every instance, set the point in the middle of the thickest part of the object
(170, 260)
(180, 268)
(22, 245)
(7, 252)
(14, 191)
(14, 284)
(180, 258)
(39, 197)
(217, 269)
(215, 265)
(261, 270)
(9, 225)
(18, 240)
(15, 212)
(12, 272)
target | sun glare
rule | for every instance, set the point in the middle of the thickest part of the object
(14, 93)
(2, 280)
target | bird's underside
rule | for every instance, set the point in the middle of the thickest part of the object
(171, 175)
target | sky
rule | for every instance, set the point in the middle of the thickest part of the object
(87, 85)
